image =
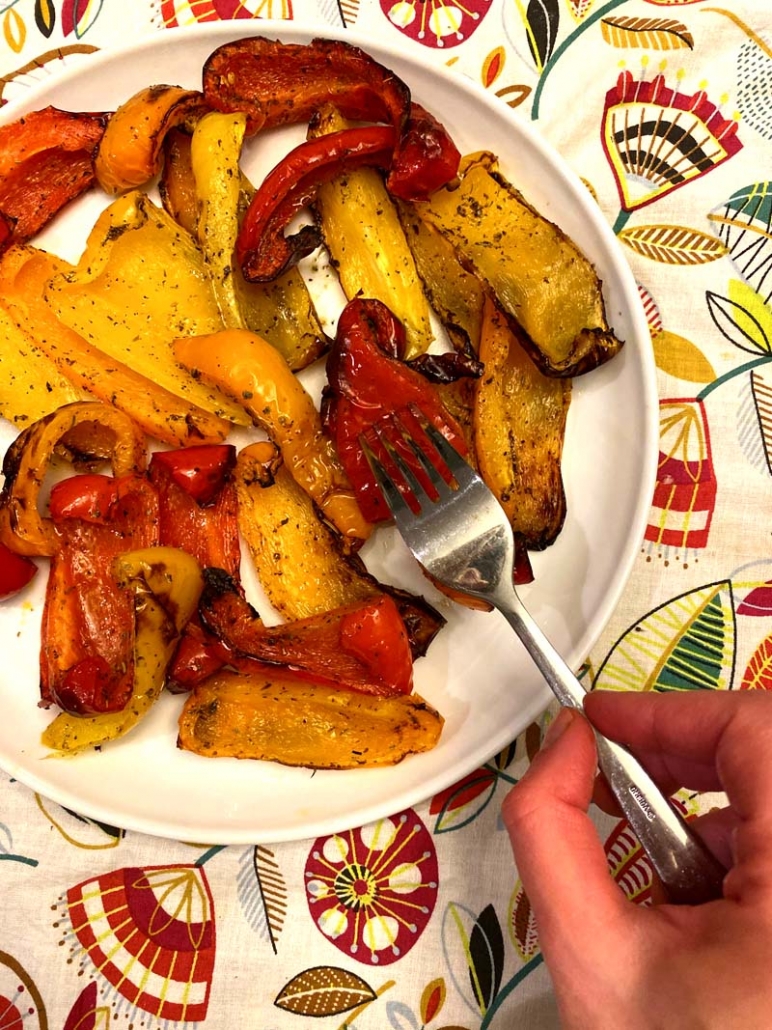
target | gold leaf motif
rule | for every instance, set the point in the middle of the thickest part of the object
(14, 31)
(432, 999)
(324, 991)
(493, 65)
(646, 33)
(580, 8)
(673, 244)
(514, 95)
(681, 358)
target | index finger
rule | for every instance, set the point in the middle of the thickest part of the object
(728, 731)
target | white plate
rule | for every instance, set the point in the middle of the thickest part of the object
(477, 674)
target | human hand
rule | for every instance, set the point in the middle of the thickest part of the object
(616, 964)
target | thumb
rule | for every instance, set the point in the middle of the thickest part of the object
(557, 850)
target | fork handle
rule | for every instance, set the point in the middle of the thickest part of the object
(689, 872)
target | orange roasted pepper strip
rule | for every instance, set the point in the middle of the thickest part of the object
(24, 276)
(362, 646)
(45, 161)
(255, 374)
(130, 152)
(109, 433)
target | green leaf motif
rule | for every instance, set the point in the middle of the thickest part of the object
(688, 643)
(743, 223)
(742, 318)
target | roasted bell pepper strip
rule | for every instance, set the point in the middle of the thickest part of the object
(45, 161)
(279, 83)
(284, 83)
(366, 242)
(139, 282)
(425, 159)
(163, 585)
(25, 274)
(87, 629)
(253, 372)
(6, 231)
(198, 505)
(262, 249)
(177, 184)
(278, 717)
(366, 382)
(16, 571)
(282, 310)
(22, 527)
(363, 646)
(214, 154)
(199, 654)
(131, 149)
(298, 559)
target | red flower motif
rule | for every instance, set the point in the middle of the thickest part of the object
(150, 933)
(435, 23)
(657, 139)
(372, 890)
(191, 12)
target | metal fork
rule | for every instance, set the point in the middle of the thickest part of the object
(464, 541)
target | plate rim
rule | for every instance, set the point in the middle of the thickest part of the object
(218, 33)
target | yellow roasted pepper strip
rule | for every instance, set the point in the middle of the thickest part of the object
(281, 311)
(214, 154)
(253, 372)
(31, 385)
(130, 149)
(166, 584)
(22, 528)
(139, 284)
(24, 277)
(365, 238)
(280, 718)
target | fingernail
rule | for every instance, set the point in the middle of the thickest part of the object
(558, 727)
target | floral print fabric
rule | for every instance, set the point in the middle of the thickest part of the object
(664, 109)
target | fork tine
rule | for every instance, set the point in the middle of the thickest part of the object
(458, 466)
(438, 482)
(396, 503)
(413, 484)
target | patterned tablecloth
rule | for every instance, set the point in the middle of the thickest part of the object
(260, 936)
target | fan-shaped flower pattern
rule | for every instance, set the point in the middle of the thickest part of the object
(685, 492)
(657, 139)
(150, 934)
(189, 12)
(372, 891)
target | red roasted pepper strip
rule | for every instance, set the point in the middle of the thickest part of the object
(86, 655)
(198, 513)
(45, 162)
(363, 646)
(366, 382)
(198, 504)
(279, 83)
(426, 157)
(16, 571)
(285, 83)
(262, 249)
